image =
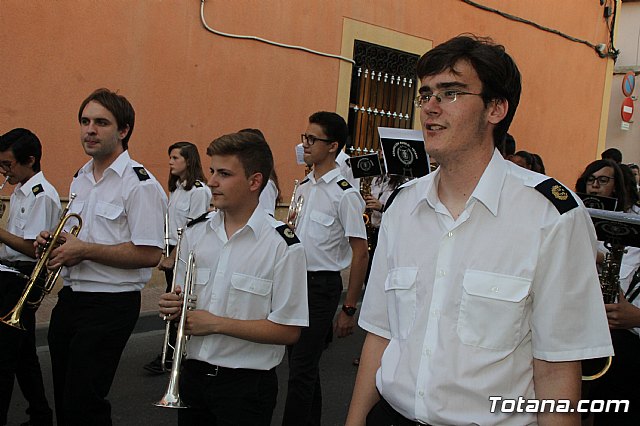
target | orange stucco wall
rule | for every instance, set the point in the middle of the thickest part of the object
(188, 84)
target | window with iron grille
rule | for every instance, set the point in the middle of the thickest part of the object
(383, 86)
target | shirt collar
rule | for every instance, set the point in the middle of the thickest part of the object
(254, 224)
(28, 185)
(487, 191)
(490, 185)
(327, 177)
(119, 164)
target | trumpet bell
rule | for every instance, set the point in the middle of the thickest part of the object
(170, 400)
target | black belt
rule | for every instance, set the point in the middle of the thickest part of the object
(18, 263)
(323, 273)
(403, 421)
(204, 368)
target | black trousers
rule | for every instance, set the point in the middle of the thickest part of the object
(622, 381)
(304, 395)
(383, 414)
(218, 396)
(87, 334)
(18, 355)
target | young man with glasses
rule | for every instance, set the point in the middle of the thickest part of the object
(334, 237)
(35, 206)
(481, 285)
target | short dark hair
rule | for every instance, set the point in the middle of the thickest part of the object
(528, 158)
(117, 105)
(23, 144)
(631, 190)
(508, 146)
(274, 176)
(497, 71)
(612, 154)
(333, 125)
(194, 167)
(250, 149)
(619, 190)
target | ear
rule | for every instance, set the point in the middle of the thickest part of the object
(255, 181)
(31, 161)
(334, 146)
(498, 109)
(124, 132)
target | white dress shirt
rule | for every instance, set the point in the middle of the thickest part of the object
(467, 303)
(268, 198)
(256, 274)
(119, 208)
(186, 205)
(34, 207)
(331, 214)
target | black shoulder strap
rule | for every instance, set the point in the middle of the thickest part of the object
(141, 173)
(198, 219)
(559, 196)
(287, 234)
(634, 288)
(391, 198)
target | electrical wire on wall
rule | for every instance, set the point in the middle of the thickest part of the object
(602, 50)
(273, 43)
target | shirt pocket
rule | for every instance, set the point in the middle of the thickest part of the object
(249, 297)
(111, 221)
(492, 310)
(320, 225)
(200, 280)
(400, 290)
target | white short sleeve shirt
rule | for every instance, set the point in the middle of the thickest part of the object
(186, 205)
(126, 205)
(34, 207)
(331, 214)
(258, 273)
(467, 303)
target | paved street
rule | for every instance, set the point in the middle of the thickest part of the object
(133, 392)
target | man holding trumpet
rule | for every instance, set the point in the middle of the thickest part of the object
(250, 288)
(122, 207)
(35, 206)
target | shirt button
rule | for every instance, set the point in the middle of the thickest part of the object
(495, 289)
(441, 273)
(450, 234)
(436, 313)
(427, 352)
(421, 393)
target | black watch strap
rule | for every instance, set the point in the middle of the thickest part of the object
(349, 310)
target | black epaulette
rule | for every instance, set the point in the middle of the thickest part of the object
(288, 235)
(76, 174)
(37, 189)
(305, 180)
(391, 198)
(342, 183)
(142, 173)
(198, 184)
(559, 196)
(198, 219)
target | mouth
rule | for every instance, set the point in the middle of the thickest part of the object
(432, 127)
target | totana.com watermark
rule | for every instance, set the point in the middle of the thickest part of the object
(522, 405)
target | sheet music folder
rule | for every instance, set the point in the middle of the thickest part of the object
(598, 201)
(616, 227)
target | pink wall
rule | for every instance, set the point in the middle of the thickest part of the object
(188, 84)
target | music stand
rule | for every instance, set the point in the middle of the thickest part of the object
(616, 227)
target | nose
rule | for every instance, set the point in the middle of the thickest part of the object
(212, 182)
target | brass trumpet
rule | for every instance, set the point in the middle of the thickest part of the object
(167, 331)
(41, 277)
(295, 207)
(171, 398)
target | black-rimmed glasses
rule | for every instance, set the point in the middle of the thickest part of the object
(310, 139)
(602, 180)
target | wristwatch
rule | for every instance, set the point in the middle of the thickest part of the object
(349, 310)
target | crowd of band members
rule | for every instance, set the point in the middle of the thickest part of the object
(248, 314)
